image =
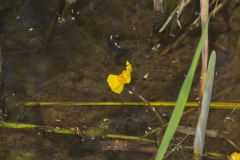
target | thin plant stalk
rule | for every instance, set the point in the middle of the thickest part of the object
(205, 89)
(153, 109)
(204, 20)
(216, 105)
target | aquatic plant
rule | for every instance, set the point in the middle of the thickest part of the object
(181, 101)
(206, 84)
(218, 105)
(203, 118)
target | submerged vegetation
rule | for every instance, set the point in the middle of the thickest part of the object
(63, 101)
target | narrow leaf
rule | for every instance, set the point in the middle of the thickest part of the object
(181, 101)
(203, 118)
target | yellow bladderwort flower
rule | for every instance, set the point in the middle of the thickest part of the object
(235, 156)
(117, 82)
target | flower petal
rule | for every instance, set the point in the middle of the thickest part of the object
(127, 76)
(235, 156)
(128, 66)
(114, 83)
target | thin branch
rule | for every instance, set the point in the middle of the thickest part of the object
(193, 25)
(177, 11)
(153, 109)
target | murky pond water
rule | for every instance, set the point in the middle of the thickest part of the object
(74, 64)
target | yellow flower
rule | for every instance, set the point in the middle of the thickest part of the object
(235, 156)
(117, 82)
(128, 67)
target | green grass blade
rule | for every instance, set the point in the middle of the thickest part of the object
(181, 101)
(18, 125)
(203, 118)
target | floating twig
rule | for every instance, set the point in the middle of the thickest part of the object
(193, 25)
(231, 113)
(153, 109)
(177, 11)
(175, 147)
(233, 144)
